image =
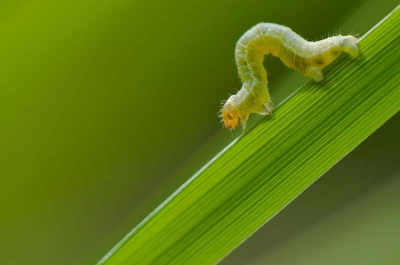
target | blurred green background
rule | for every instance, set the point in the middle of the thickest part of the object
(108, 106)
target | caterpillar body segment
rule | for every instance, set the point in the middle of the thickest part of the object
(309, 58)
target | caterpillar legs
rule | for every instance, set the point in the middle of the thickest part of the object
(315, 73)
(324, 56)
(268, 108)
(348, 44)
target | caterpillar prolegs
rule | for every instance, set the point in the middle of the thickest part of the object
(295, 52)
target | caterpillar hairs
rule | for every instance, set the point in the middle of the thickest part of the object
(309, 58)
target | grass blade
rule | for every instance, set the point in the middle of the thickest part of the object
(273, 162)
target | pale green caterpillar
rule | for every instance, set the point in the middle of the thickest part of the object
(295, 52)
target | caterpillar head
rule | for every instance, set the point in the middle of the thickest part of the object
(229, 114)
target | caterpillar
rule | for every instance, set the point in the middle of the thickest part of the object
(307, 57)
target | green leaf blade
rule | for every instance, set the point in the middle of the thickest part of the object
(273, 162)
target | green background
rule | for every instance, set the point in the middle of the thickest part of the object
(108, 106)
